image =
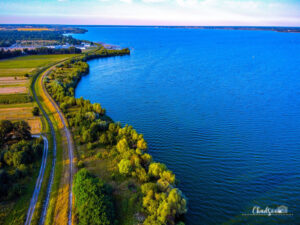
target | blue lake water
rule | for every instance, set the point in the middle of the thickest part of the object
(221, 108)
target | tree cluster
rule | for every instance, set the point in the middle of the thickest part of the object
(162, 202)
(9, 54)
(93, 200)
(9, 131)
(17, 154)
(10, 37)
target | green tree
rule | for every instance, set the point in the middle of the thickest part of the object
(125, 166)
(22, 130)
(156, 169)
(6, 127)
(36, 111)
(142, 144)
(122, 146)
(93, 201)
(103, 139)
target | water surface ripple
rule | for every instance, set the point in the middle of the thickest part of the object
(220, 108)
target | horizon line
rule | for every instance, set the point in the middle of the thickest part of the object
(120, 25)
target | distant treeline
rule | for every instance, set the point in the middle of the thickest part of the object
(50, 51)
(61, 28)
(38, 51)
(10, 37)
(9, 54)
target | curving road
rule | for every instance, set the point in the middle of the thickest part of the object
(38, 181)
(70, 144)
(45, 206)
(70, 151)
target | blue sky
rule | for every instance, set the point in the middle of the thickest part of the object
(153, 12)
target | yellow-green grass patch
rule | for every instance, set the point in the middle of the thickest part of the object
(32, 61)
(21, 105)
(7, 72)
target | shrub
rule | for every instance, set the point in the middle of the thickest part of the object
(99, 155)
(80, 164)
(89, 146)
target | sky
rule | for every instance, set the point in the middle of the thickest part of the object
(152, 12)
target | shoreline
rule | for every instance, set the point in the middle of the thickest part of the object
(112, 148)
(250, 28)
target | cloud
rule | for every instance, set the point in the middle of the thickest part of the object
(161, 12)
(126, 1)
(154, 1)
(186, 2)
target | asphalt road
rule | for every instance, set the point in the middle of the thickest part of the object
(38, 181)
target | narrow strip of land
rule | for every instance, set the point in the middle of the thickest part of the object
(38, 181)
(45, 206)
(69, 140)
(55, 108)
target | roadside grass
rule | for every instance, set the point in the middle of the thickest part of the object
(62, 202)
(56, 181)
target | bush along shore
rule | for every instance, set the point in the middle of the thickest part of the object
(120, 183)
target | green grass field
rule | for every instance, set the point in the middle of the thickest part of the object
(19, 66)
